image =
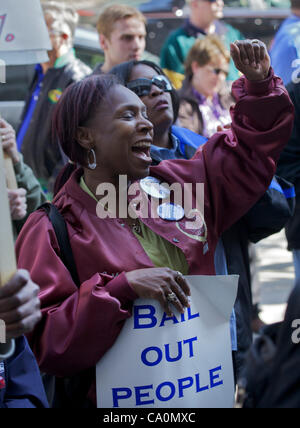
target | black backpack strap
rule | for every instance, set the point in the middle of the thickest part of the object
(66, 392)
(60, 229)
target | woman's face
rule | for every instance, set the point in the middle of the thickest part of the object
(158, 103)
(122, 135)
(208, 79)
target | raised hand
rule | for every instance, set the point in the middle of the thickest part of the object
(251, 58)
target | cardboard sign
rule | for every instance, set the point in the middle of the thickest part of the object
(179, 362)
(22, 26)
(7, 252)
(24, 36)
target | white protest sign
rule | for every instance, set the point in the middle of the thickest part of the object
(24, 37)
(179, 362)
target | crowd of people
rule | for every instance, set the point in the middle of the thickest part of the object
(216, 98)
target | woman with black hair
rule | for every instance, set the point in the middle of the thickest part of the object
(104, 128)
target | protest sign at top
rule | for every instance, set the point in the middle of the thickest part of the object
(24, 37)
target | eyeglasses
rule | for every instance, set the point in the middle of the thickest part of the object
(142, 87)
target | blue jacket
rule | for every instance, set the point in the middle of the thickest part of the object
(20, 381)
(286, 49)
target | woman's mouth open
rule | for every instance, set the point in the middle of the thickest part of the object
(141, 150)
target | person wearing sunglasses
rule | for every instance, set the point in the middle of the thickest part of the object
(148, 81)
(205, 97)
(143, 86)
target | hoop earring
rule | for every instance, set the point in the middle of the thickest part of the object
(92, 165)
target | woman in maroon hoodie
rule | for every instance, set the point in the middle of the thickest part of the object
(103, 127)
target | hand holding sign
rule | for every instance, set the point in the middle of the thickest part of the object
(160, 284)
(9, 143)
(19, 305)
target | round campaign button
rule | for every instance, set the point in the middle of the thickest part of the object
(153, 187)
(170, 212)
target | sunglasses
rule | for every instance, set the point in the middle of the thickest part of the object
(142, 87)
(218, 71)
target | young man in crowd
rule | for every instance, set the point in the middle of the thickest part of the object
(122, 34)
(204, 18)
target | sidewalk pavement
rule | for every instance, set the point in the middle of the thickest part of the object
(276, 275)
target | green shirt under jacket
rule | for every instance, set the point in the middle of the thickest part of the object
(35, 196)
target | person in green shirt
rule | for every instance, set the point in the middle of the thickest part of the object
(29, 195)
(204, 19)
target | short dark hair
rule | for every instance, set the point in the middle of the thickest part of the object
(77, 105)
(123, 73)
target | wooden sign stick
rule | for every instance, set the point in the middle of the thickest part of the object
(8, 265)
(11, 180)
(10, 172)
